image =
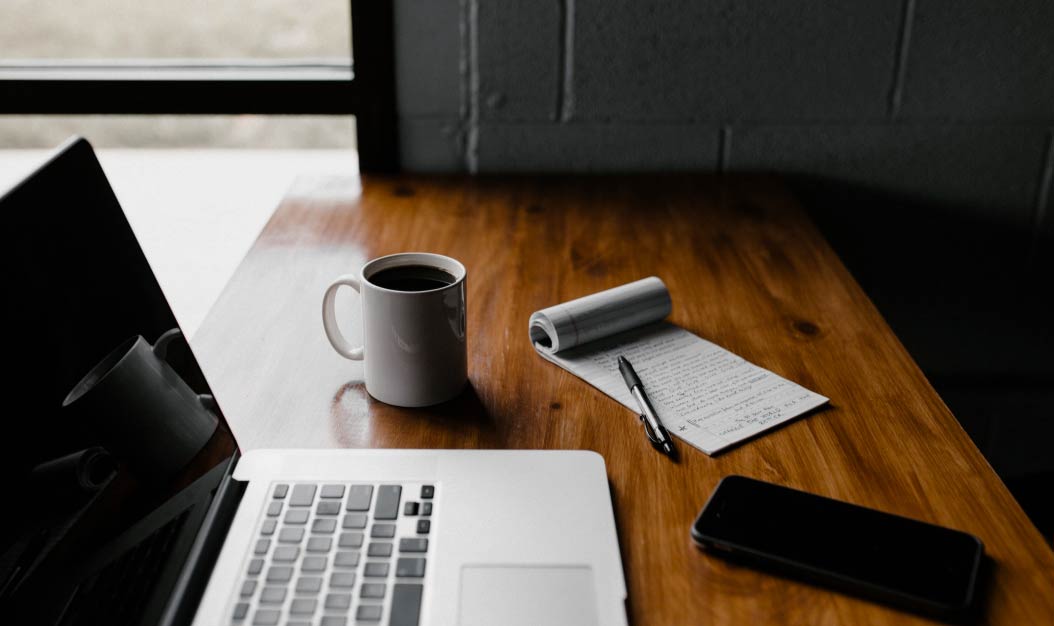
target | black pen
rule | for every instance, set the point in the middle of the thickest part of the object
(653, 428)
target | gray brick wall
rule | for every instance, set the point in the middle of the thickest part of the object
(987, 61)
(723, 60)
(937, 100)
(992, 170)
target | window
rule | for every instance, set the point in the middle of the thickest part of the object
(200, 58)
(167, 29)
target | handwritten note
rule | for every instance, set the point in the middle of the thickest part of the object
(706, 395)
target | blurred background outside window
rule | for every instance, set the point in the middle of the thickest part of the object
(232, 33)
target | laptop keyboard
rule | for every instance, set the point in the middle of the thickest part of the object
(338, 554)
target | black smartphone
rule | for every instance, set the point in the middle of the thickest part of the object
(893, 559)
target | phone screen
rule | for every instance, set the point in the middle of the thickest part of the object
(841, 542)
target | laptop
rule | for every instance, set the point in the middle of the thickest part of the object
(99, 528)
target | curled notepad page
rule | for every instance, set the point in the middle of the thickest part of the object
(600, 315)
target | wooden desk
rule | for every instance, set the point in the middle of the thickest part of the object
(746, 269)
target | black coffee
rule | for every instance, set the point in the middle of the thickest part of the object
(412, 278)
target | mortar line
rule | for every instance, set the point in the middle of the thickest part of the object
(724, 147)
(472, 136)
(463, 60)
(900, 61)
(1046, 182)
(565, 102)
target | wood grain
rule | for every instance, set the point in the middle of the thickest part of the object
(746, 269)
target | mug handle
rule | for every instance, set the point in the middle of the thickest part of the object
(161, 345)
(329, 319)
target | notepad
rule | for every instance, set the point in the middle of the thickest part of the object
(704, 394)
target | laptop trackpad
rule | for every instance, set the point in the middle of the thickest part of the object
(527, 595)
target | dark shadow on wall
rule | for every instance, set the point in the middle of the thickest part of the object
(971, 298)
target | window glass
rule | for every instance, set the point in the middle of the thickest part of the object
(220, 29)
(180, 131)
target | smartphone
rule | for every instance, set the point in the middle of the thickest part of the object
(892, 559)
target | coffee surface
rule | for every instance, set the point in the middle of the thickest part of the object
(412, 278)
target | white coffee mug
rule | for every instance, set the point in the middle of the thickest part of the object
(413, 341)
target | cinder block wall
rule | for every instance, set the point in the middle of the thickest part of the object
(937, 100)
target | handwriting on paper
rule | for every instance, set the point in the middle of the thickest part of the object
(704, 394)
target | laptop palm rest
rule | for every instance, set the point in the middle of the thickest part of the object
(527, 595)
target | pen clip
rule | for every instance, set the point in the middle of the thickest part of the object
(655, 441)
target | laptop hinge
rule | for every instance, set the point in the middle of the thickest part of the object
(186, 594)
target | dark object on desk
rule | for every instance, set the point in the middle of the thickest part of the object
(893, 559)
(141, 408)
(657, 434)
(72, 479)
(77, 546)
(60, 491)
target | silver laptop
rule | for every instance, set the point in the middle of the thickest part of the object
(110, 534)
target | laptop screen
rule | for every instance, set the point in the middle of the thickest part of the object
(109, 414)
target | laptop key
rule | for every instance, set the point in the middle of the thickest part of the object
(262, 546)
(319, 544)
(426, 508)
(313, 564)
(324, 525)
(383, 531)
(240, 611)
(290, 535)
(248, 587)
(303, 495)
(413, 544)
(428, 492)
(355, 520)
(332, 491)
(334, 620)
(285, 554)
(346, 559)
(369, 613)
(407, 567)
(410, 508)
(423, 526)
(338, 601)
(342, 580)
(375, 569)
(359, 497)
(328, 507)
(297, 516)
(303, 606)
(350, 540)
(379, 548)
(280, 491)
(308, 584)
(272, 595)
(266, 617)
(279, 574)
(387, 502)
(406, 605)
(255, 566)
(372, 590)
(274, 509)
(268, 527)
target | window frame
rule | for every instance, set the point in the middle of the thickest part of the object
(365, 88)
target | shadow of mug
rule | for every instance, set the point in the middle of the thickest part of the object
(143, 412)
